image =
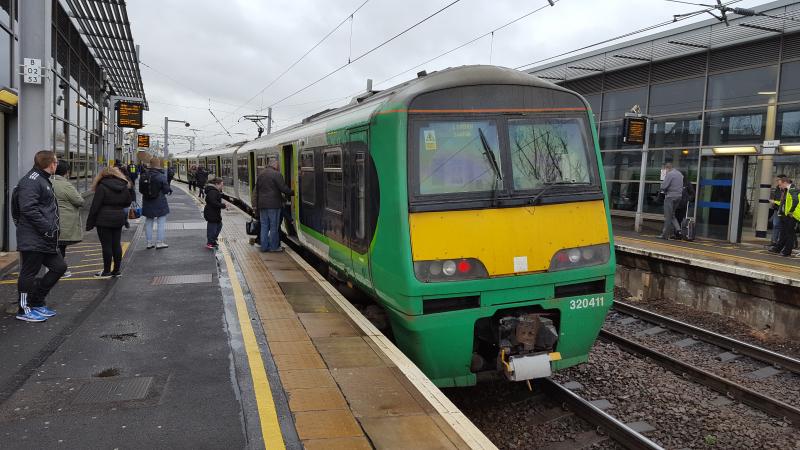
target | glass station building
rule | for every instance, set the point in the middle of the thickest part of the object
(714, 93)
(92, 59)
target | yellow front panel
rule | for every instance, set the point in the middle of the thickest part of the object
(497, 236)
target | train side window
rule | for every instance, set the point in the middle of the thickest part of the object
(308, 185)
(361, 189)
(334, 185)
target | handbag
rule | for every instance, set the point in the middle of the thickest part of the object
(253, 227)
(135, 211)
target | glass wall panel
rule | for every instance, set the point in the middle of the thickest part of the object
(5, 9)
(686, 161)
(735, 127)
(623, 195)
(741, 88)
(790, 82)
(5, 58)
(617, 103)
(680, 131)
(652, 203)
(677, 96)
(622, 166)
(788, 127)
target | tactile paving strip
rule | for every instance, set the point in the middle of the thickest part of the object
(184, 226)
(181, 279)
(114, 391)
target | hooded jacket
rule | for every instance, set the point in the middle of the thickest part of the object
(110, 198)
(69, 209)
(38, 227)
(214, 206)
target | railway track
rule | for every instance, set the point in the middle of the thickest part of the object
(619, 431)
(720, 384)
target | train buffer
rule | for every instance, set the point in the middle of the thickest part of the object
(227, 348)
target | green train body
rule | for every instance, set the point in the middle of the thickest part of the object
(378, 198)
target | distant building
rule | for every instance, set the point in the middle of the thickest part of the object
(715, 93)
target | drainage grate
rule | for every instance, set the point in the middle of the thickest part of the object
(114, 391)
(181, 279)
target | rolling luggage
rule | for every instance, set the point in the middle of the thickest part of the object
(687, 226)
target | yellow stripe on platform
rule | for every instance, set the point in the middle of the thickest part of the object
(270, 428)
(125, 246)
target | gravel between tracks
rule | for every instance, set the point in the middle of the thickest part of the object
(715, 322)
(684, 413)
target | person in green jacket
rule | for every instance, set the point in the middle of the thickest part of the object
(69, 204)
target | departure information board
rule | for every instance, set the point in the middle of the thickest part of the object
(129, 115)
(143, 140)
(634, 130)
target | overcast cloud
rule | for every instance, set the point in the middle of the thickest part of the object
(207, 53)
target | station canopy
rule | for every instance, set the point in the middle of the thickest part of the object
(106, 30)
(775, 19)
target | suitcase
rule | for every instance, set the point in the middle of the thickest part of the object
(687, 226)
(253, 227)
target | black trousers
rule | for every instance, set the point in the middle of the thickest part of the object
(192, 185)
(111, 243)
(32, 289)
(787, 236)
(212, 232)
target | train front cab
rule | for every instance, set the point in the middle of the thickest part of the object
(509, 231)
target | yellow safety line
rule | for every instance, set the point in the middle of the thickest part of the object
(270, 428)
(125, 246)
(724, 255)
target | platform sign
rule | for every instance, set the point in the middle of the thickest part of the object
(634, 130)
(129, 115)
(143, 141)
(32, 71)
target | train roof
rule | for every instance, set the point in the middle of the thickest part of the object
(399, 96)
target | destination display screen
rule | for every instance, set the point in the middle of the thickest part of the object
(143, 140)
(634, 131)
(129, 115)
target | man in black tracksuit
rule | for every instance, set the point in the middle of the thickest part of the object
(37, 238)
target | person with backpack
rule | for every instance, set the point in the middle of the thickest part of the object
(687, 195)
(170, 174)
(111, 197)
(201, 180)
(191, 177)
(70, 202)
(213, 212)
(154, 188)
(672, 188)
(34, 209)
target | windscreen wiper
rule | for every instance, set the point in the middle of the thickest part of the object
(547, 186)
(489, 154)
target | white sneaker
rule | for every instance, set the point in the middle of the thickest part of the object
(160, 245)
(150, 245)
(67, 274)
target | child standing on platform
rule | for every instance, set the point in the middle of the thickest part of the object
(213, 211)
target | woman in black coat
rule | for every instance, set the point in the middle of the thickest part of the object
(111, 196)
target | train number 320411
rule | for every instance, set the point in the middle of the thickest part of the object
(583, 303)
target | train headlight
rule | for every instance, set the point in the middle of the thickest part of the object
(573, 258)
(449, 270)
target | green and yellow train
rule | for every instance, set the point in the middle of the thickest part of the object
(469, 203)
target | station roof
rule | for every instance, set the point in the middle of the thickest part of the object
(778, 17)
(105, 27)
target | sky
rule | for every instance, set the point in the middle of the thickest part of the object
(198, 55)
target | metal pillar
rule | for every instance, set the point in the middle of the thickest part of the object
(166, 137)
(269, 120)
(35, 100)
(765, 172)
(637, 223)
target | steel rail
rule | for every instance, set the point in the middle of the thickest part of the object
(620, 432)
(724, 342)
(769, 405)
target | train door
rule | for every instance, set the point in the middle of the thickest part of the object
(288, 169)
(356, 211)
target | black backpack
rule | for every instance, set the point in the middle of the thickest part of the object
(148, 186)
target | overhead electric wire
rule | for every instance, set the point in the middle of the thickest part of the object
(622, 36)
(297, 61)
(366, 53)
(477, 38)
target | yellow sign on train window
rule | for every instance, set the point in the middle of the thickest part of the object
(430, 140)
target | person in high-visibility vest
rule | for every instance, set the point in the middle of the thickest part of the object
(789, 213)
